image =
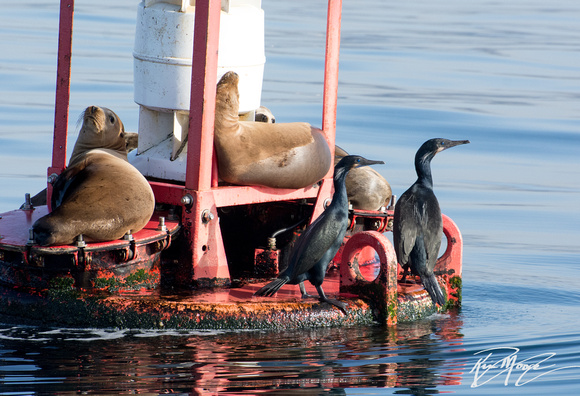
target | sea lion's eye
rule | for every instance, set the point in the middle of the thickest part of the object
(112, 119)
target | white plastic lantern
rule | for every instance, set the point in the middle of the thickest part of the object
(162, 74)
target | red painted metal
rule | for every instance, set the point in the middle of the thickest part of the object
(453, 255)
(450, 264)
(383, 289)
(330, 94)
(206, 252)
(61, 106)
(203, 83)
(239, 195)
(96, 265)
(331, 62)
(15, 225)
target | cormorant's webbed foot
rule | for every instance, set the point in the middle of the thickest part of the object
(340, 305)
(404, 278)
(305, 295)
(322, 297)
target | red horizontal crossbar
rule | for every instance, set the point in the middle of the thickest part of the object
(234, 195)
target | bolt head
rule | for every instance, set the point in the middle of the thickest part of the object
(187, 200)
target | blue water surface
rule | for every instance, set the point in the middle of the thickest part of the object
(506, 76)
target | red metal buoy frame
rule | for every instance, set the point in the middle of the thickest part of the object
(61, 106)
(200, 196)
(205, 260)
(383, 289)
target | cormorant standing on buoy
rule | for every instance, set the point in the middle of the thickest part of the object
(317, 246)
(418, 226)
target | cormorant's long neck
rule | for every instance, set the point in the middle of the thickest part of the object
(423, 168)
(340, 197)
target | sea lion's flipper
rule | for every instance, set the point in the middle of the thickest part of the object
(131, 140)
(67, 182)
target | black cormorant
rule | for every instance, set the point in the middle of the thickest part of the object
(418, 226)
(315, 248)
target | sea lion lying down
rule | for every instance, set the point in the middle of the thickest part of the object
(366, 188)
(100, 194)
(283, 155)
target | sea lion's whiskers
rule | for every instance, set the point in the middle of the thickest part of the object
(80, 120)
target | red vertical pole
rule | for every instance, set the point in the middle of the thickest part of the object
(204, 252)
(330, 95)
(331, 72)
(202, 100)
(62, 90)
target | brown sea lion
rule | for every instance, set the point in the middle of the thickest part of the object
(285, 155)
(366, 188)
(100, 194)
(131, 141)
(263, 114)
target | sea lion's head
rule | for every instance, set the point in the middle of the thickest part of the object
(263, 114)
(227, 98)
(101, 129)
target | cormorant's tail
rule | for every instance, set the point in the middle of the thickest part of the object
(272, 287)
(432, 286)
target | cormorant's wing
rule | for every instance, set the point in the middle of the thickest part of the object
(406, 226)
(432, 230)
(314, 243)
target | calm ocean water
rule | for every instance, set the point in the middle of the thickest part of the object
(505, 75)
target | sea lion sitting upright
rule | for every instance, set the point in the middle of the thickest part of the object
(131, 142)
(285, 155)
(365, 187)
(100, 194)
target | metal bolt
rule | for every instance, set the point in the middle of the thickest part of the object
(52, 178)
(30, 237)
(327, 202)
(207, 216)
(161, 226)
(187, 200)
(80, 242)
(128, 236)
(27, 205)
(393, 202)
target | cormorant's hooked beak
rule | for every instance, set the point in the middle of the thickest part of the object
(365, 162)
(452, 143)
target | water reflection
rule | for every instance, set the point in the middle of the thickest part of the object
(412, 358)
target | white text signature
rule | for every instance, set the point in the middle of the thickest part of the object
(527, 370)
